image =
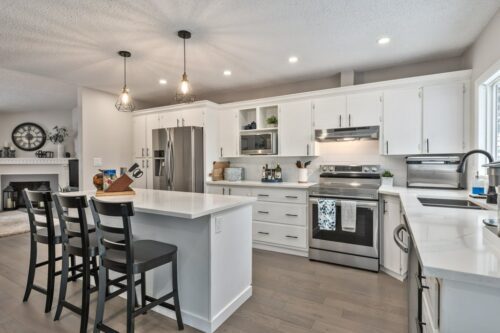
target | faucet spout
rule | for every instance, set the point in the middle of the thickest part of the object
(460, 167)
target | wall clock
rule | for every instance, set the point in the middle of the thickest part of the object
(28, 136)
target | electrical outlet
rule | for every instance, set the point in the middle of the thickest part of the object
(97, 162)
(218, 224)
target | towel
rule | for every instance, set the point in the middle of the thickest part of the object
(326, 214)
(348, 212)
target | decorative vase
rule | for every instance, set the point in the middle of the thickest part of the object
(60, 150)
(388, 181)
(303, 175)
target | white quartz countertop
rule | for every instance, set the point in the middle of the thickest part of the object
(252, 183)
(451, 243)
(178, 204)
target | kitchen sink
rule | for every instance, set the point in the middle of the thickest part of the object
(449, 203)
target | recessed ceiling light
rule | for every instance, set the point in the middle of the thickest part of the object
(162, 81)
(227, 72)
(384, 40)
(293, 59)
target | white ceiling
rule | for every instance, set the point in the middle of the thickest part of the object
(76, 42)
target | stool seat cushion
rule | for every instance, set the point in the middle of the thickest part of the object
(148, 254)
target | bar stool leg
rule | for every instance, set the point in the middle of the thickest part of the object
(131, 301)
(178, 313)
(51, 276)
(73, 269)
(64, 283)
(85, 295)
(32, 268)
(95, 271)
(143, 290)
(101, 298)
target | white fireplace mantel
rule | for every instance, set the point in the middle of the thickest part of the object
(33, 161)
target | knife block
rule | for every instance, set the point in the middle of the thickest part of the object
(121, 186)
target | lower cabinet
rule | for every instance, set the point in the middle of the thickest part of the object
(279, 217)
(393, 260)
(146, 181)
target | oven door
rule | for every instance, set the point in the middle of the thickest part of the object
(362, 242)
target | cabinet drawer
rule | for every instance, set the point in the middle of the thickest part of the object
(280, 234)
(293, 214)
(280, 195)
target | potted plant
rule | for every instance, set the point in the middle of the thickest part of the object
(272, 121)
(57, 137)
(387, 178)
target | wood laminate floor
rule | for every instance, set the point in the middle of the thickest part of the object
(290, 295)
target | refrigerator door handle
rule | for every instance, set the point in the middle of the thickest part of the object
(171, 167)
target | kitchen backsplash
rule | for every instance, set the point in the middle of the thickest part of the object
(355, 152)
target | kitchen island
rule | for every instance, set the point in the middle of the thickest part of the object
(213, 234)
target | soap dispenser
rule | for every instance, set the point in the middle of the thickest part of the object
(478, 185)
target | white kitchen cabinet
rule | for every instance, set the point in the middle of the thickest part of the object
(402, 121)
(330, 112)
(141, 182)
(364, 109)
(229, 190)
(139, 137)
(170, 119)
(443, 118)
(192, 117)
(228, 133)
(393, 259)
(152, 123)
(295, 129)
(148, 173)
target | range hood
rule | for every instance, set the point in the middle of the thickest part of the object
(347, 134)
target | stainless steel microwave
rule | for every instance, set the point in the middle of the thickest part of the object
(261, 143)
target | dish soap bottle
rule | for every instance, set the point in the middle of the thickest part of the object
(477, 185)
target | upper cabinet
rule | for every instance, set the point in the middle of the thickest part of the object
(353, 110)
(180, 118)
(402, 122)
(443, 118)
(228, 133)
(364, 109)
(295, 129)
(139, 135)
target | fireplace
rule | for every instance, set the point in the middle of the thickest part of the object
(19, 186)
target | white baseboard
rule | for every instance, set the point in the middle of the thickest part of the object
(275, 248)
(230, 308)
(393, 274)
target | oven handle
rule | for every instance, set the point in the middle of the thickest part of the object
(359, 203)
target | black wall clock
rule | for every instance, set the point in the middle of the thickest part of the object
(29, 136)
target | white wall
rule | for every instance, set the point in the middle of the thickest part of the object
(104, 133)
(355, 152)
(46, 119)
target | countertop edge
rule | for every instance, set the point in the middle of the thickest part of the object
(252, 183)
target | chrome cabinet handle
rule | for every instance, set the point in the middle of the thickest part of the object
(420, 325)
(142, 152)
(229, 190)
(143, 164)
(147, 151)
(427, 145)
(294, 237)
(147, 163)
(398, 241)
(221, 154)
(387, 147)
(420, 286)
(262, 195)
(340, 120)
(291, 196)
(385, 204)
(349, 120)
(177, 122)
(183, 122)
(292, 215)
(307, 149)
(262, 212)
(223, 191)
(262, 233)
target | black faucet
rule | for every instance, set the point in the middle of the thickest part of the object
(491, 196)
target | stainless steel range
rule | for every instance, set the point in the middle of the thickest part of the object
(354, 187)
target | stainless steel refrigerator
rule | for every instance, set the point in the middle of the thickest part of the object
(178, 159)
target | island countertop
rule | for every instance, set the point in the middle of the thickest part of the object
(177, 204)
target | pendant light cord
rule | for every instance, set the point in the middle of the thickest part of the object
(184, 55)
(124, 72)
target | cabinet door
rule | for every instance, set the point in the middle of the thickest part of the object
(295, 129)
(141, 182)
(228, 133)
(391, 253)
(170, 119)
(139, 135)
(152, 122)
(239, 190)
(193, 117)
(402, 122)
(443, 118)
(330, 112)
(364, 109)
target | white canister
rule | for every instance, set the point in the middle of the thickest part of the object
(388, 181)
(60, 150)
(303, 175)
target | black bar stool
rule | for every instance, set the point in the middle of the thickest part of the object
(131, 257)
(76, 241)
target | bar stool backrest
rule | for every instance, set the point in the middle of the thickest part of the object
(114, 209)
(43, 202)
(73, 226)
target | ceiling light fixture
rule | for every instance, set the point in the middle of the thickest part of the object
(384, 40)
(184, 94)
(227, 72)
(125, 102)
(293, 59)
(162, 81)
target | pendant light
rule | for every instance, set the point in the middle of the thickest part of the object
(125, 102)
(184, 93)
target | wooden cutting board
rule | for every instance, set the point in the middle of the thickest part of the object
(101, 193)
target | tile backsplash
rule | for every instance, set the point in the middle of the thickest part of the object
(354, 152)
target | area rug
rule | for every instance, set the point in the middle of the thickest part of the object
(16, 222)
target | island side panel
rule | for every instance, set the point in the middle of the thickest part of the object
(192, 239)
(231, 262)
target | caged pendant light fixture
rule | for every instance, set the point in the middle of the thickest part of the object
(125, 102)
(184, 92)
